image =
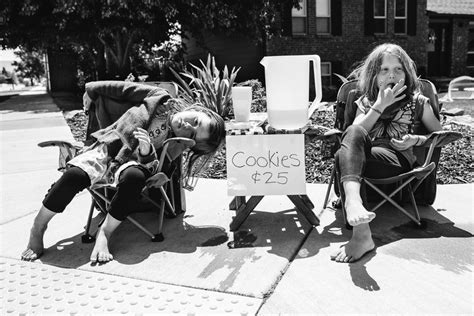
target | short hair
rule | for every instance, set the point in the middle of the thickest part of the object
(366, 72)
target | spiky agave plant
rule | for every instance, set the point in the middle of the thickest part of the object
(205, 85)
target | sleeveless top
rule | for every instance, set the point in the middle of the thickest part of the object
(398, 124)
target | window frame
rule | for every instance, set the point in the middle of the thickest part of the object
(470, 52)
(405, 17)
(303, 15)
(328, 17)
(329, 74)
(380, 17)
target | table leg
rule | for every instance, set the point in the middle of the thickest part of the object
(236, 202)
(307, 201)
(244, 211)
(303, 208)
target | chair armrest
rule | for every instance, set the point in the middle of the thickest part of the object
(176, 146)
(61, 143)
(181, 140)
(67, 150)
(438, 139)
(418, 172)
(330, 135)
(441, 138)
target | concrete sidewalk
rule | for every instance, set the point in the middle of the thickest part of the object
(281, 266)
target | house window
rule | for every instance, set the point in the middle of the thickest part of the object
(323, 16)
(298, 19)
(380, 16)
(326, 73)
(400, 16)
(470, 46)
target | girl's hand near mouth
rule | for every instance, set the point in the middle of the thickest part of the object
(388, 96)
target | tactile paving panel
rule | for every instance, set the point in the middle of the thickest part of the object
(34, 288)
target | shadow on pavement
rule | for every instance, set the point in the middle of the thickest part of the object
(452, 251)
(34, 103)
(130, 246)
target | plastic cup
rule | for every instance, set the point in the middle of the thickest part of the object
(242, 100)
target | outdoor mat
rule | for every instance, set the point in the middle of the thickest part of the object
(199, 251)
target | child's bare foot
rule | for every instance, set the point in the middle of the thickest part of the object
(35, 247)
(357, 214)
(101, 252)
(355, 249)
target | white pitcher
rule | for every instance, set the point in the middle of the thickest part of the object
(287, 86)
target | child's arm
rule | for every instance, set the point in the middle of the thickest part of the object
(428, 118)
(386, 97)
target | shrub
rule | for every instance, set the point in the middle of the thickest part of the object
(206, 86)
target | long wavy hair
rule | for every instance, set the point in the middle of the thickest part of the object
(203, 150)
(366, 72)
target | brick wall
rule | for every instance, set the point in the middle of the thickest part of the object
(353, 45)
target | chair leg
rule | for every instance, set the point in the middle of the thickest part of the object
(161, 212)
(343, 208)
(236, 202)
(407, 182)
(328, 191)
(158, 237)
(389, 199)
(172, 195)
(413, 202)
(87, 238)
(168, 203)
(141, 227)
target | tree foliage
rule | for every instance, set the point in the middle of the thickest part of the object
(30, 64)
(104, 27)
(256, 19)
(116, 28)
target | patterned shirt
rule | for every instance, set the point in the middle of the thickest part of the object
(397, 125)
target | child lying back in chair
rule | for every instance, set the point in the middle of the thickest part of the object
(124, 155)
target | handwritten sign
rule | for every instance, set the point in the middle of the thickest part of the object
(265, 165)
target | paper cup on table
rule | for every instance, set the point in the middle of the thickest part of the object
(242, 100)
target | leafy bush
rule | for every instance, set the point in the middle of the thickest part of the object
(207, 87)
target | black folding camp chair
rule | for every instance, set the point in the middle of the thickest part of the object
(163, 192)
(417, 186)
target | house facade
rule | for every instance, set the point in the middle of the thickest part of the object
(437, 34)
(450, 44)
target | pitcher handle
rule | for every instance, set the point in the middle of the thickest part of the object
(317, 84)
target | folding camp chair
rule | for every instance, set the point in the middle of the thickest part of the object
(162, 189)
(419, 183)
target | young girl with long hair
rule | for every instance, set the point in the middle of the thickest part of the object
(124, 154)
(379, 142)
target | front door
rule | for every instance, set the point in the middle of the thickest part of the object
(439, 48)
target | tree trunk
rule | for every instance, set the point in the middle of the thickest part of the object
(117, 54)
(101, 63)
